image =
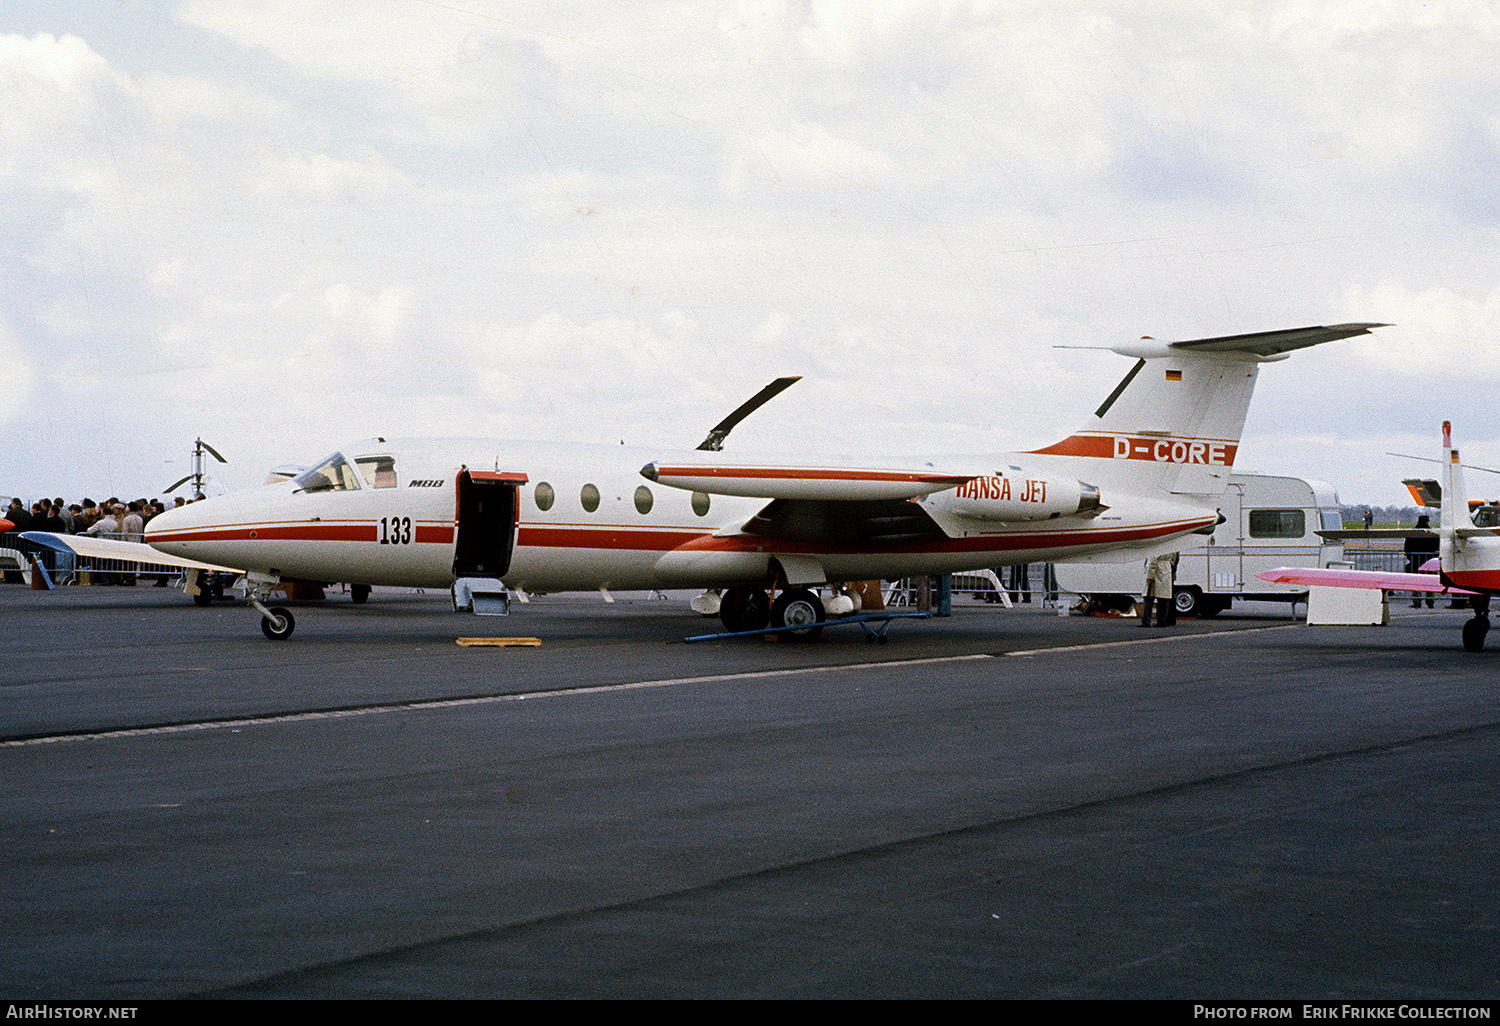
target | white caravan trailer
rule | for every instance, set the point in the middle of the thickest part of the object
(1268, 522)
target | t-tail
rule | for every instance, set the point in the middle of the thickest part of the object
(1173, 423)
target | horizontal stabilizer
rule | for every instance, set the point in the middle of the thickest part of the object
(1275, 343)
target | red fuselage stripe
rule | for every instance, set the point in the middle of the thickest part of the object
(1212, 452)
(623, 538)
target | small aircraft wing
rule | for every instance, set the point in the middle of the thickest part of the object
(793, 482)
(1354, 534)
(837, 505)
(1367, 579)
(104, 548)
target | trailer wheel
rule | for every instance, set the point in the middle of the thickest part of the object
(1189, 602)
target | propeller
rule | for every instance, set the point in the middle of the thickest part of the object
(199, 448)
(715, 440)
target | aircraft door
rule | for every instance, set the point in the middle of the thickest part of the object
(485, 525)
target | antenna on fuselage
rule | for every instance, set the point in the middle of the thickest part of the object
(715, 440)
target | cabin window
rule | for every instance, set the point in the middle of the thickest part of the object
(700, 503)
(333, 474)
(1333, 520)
(545, 496)
(378, 471)
(643, 500)
(589, 497)
(1277, 523)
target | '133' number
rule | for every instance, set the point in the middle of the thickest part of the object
(395, 530)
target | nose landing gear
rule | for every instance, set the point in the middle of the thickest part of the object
(277, 622)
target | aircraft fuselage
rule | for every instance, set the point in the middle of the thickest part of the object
(586, 518)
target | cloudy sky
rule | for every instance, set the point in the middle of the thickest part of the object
(286, 224)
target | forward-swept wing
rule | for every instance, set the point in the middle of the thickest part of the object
(111, 548)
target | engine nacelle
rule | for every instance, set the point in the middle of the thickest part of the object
(1018, 498)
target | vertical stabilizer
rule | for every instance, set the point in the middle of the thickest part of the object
(1454, 512)
(1173, 423)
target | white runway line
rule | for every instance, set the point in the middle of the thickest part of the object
(454, 703)
(1151, 641)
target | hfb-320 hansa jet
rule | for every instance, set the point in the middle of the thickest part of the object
(1138, 479)
(1468, 562)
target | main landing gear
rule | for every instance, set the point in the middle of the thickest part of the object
(1476, 628)
(798, 613)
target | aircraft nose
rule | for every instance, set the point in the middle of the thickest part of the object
(6, 525)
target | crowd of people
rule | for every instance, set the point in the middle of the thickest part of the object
(112, 518)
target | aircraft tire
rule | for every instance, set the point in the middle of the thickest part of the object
(203, 599)
(800, 610)
(280, 628)
(1474, 632)
(358, 593)
(744, 609)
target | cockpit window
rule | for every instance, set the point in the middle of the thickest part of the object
(333, 474)
(378, 471)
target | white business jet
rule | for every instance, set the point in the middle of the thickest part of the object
(1468, 563)
(1141, 476)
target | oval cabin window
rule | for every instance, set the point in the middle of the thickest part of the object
(589, 497)
(700, 503)
(545, 496)
(643, 500)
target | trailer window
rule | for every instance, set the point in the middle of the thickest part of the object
(1277, 523)
(1333, 520)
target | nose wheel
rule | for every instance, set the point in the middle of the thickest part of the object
(276, 622)
(278, 626)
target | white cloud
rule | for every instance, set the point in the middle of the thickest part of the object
(17, 379)
(626, 217)
(1444, 333)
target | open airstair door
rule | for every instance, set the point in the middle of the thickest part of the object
(485, 534)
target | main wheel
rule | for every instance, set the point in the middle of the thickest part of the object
(799, 610)
(281, 624)
(744, 609)
(358, 593)
(1474, 632)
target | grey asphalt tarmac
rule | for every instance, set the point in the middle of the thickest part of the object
(1004, 803)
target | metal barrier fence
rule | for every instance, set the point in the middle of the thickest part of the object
(1387, 560)
(66, 568)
